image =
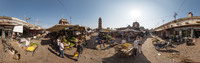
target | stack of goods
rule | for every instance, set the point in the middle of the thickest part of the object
(124, 49)
(11, 50)
(127, 44)
(66, 45)
(155, 40)
(73, 40)
(121, 46)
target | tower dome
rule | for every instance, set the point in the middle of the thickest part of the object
(136, 24)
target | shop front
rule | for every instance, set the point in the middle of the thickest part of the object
(197, 33)
(6, 31)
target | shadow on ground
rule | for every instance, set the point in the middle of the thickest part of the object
(53, 49)
(169, 51)
(91, 44)
(117, 59)
(70, 56)
(45, 42)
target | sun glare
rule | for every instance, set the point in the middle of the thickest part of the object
(135, 14)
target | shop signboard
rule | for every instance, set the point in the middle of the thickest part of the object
(18, 29)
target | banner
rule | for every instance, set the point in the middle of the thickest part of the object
(18, 29)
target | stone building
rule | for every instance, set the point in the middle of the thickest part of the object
(7, 25)
(135, 26)
(183, 27)
(63, 22)
(100, 23)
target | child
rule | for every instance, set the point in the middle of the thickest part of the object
(79, 50)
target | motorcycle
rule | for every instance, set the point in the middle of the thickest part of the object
(159, 46)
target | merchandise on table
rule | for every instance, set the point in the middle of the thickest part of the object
(65, 40)
(127, 44)
(30, 48)
(71, 44)
(33, 44)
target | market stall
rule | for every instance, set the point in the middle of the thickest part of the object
(105, 34)
(28, 46)
(70, 34)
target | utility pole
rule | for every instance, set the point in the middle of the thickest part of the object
(70, 19)
(175, 14)
(163, 21)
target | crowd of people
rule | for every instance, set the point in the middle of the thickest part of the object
(63, 44)
(134, 38)
(67, 41)
(103, 38)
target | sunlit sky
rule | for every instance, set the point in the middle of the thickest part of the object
(114, 13)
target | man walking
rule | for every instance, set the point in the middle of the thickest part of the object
(61, 46)
(135, 48)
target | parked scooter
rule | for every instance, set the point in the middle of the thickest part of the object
(159, 46)
(189, 42)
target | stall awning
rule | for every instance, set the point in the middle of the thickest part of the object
(59, 27)
(130, 30)
(105, 30)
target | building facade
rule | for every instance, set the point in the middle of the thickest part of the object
(7, 25)
(183, 27)
(63, 22)
(135, 26)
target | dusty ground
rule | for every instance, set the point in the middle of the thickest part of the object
(183, 53)
(91, 54)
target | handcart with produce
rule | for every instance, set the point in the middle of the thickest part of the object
(32, 48)
(124, 50)
(155, 40)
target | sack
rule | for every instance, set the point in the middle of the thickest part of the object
(99, 42)
(75, 54)
(16, 56)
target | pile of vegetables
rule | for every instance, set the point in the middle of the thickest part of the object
(33, 44)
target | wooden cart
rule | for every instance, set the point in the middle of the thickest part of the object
(123, 51)
(33, 51)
